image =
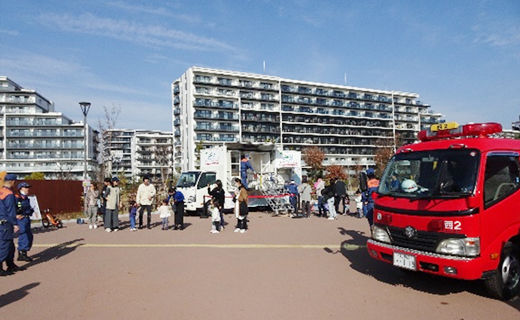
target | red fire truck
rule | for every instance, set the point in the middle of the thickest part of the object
(450, 205)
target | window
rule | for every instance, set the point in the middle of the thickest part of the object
(206, 178)
(501, 179)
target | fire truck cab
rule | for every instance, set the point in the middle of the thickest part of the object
(450, 205)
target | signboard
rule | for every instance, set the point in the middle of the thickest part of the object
(34, 204)
(289, 159)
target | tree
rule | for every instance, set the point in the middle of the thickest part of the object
(314, 157)
(35, 176)
(104, 125)
(385, 151)
(336, 172)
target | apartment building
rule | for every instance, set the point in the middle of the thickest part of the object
(36, 138)
(212, 107)
(138, 153)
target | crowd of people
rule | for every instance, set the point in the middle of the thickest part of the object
(330, 200)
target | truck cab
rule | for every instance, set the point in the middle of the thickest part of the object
(450, 205)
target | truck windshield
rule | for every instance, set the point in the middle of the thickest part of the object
(431, 174)
(188, 179)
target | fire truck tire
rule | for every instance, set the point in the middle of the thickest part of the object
(504, 284)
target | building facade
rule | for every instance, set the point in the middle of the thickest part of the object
(138, 153)
(211, 107)
(35, 138)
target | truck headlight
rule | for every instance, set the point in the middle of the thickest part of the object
(380, 234)
(191, 199)
(469, 247)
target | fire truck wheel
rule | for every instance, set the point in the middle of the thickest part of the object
(505, 282)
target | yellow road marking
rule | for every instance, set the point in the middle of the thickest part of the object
(189, 245)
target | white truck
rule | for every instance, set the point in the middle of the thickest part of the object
(223, 163)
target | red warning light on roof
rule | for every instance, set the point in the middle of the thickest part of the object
(453, 130)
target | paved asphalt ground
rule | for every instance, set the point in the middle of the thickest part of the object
(281, 268)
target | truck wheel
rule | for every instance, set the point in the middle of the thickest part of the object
(504, 284)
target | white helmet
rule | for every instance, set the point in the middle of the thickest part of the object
(409, 186)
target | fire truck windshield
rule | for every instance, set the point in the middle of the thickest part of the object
(431, 174)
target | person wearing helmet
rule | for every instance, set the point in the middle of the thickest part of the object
(24, 212)
(368, 201)
(409, 186)
(8, 226)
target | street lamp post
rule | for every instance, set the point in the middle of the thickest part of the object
(85, 107)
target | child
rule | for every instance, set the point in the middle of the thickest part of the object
(165, 211)
(132, 211)
(359, 204)
(215, 216)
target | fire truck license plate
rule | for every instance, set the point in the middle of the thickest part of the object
(404, 261)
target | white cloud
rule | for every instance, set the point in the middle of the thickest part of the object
(147, 35)
(497, 36)
(159, 11)
(63, 72)
(9, 32)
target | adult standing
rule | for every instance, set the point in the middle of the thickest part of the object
(340, 196)
(219, 195)
(305, 191)
(92, 208)
(104, 194)
(243, 209)
(328, 195)
(24, 212)
(178, 209)
(368, 201)
(319, 186)
(144, 199)
(292, 188)
(244, 166)
(113, 204)
(8, 225)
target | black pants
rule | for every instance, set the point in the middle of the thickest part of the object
(148, 215)
(179, 214)
(343, 200)
(242, 223)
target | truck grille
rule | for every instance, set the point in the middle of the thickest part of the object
(423, 240)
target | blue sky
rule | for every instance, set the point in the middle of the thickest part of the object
(462, 57)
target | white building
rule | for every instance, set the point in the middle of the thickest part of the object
(212, 107)
(138, 153)
(35, 138)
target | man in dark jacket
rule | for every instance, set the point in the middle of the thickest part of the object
(219, 195)
(340, 196)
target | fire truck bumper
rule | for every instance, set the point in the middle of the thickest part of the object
(439, 264)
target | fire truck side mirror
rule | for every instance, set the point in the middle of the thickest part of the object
(363, 181)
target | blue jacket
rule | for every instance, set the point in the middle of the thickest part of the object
(292, 189)
(244, 165)
(23, 205)
(177, 197)
(8, 206)
(366, 197)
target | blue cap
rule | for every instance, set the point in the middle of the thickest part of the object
(10, 177)
(370, 171)
(115, 179)
(23, 185)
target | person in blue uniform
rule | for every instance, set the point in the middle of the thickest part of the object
(244, 166)
(24, 212)
(8, 225)
(366, 197)
(292, 189)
